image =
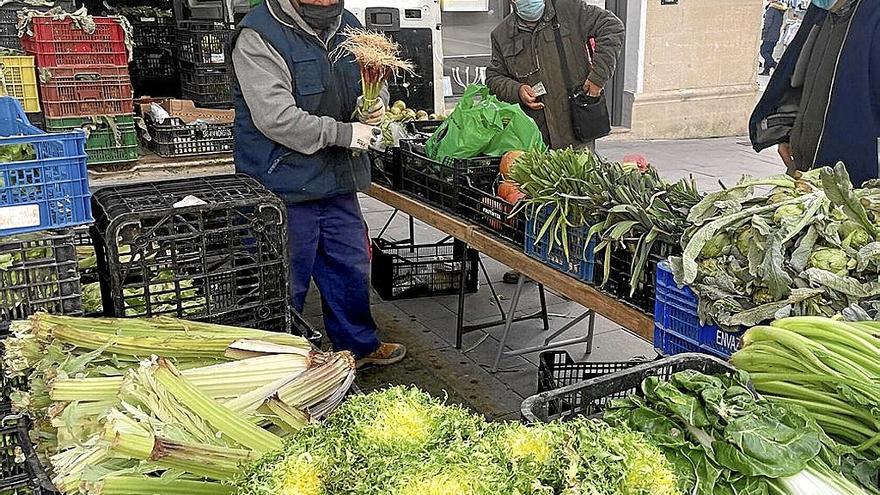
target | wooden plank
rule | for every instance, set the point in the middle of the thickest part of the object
(443, 222)
(624, 315)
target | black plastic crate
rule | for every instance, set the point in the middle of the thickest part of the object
(590, 397)
(385, 167)
(173, 138)
(9, 21)
(153, 64)
(434, 182)
(204, 43)
(38, 272)
(152, 32)
(87, 261)
(424, 127)
(20, 469)
(210, 249)
(620, 281)
(406, 271)
(557, 369)
(479, 203)
(206, 87)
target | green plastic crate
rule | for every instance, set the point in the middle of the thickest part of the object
(104, 145)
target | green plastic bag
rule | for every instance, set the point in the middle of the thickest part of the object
(487, 127)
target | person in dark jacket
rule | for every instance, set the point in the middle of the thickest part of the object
(293, 132)
(822, 105)
(524, 57)
(774, 16)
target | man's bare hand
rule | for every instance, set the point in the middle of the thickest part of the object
(787, 157)
(592, 89)
(528, 97)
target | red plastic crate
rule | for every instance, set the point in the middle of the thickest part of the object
(58, 43)
(85, 91)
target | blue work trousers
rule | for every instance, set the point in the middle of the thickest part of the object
(329, 242)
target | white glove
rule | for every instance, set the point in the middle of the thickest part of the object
(363, 135)
(374, 115)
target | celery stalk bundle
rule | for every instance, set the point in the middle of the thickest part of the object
(831, 368)
(112, 417)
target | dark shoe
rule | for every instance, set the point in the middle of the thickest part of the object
(385, 355)
(766, 72)
(511, 277)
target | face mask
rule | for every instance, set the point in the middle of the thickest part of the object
(824, 4)
(530, 10)
(320, 17)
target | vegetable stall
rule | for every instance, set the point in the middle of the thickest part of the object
(152, 351)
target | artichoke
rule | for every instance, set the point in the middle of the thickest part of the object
(781, 195)
(716, 246)
(793, 212)
(763, 296)
(854, 235)
(710, 267)
(830, 259)
(744, 238)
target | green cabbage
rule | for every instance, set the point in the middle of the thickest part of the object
(853, 235)
(744, 239)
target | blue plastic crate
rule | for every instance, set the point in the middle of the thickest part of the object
(580, 261)
(49, 192)
(677, 327)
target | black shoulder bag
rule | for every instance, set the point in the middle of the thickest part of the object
(589, 114)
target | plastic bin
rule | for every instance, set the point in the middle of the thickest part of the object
(479, 203)
(556, 369)
(152, 32)
(203, 43)
(619, 282)
(406, 271)
(39, 272)
(20, 81)
(110, 139)
(20, 469)
(9, 20)
(206, 87)
(385, 167)
(86, 91)
(436, 183)
(59, 42)
(150, 64)
(677, 327)
(580, 261)
(590, 397)
(48, 192)
(211, 249)
(176, 138)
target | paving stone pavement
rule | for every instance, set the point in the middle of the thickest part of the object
(427, 325)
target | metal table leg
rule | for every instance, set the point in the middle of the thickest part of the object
(507, 324)
(459, 326)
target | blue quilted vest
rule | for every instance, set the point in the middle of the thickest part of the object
(320, 88)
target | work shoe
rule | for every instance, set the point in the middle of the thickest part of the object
(385, 355)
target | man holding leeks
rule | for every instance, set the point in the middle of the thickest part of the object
(294, 133)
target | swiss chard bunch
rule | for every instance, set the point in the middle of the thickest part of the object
(724, 440)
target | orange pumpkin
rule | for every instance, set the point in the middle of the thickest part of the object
(508, 160)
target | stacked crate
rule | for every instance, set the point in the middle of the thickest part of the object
(154, 63)
(203, 49)
(85, 83)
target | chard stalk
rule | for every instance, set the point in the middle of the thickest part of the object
(145, 485)
(224, 420)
